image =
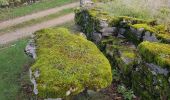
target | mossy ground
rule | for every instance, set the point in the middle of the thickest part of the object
(68, 62)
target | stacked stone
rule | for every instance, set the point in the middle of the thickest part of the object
(120, 42)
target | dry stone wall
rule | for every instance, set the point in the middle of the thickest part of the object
(139, 49)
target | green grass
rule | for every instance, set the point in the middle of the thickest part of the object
(142, 9)
(38, 20)
(10, 13)
(12, 60)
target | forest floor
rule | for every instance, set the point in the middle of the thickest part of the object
(27, 30)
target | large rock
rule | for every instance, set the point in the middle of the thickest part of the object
(67, 64)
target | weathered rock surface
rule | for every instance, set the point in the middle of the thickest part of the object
(30, 49)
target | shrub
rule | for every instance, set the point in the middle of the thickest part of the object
(68, 64)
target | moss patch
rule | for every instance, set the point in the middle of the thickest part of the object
(145, 26)
(68, 62)
(158, 53)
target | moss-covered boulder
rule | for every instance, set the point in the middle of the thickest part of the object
(157, 53)
(67, 64)
(150, 79)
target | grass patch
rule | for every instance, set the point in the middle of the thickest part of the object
(12, 61)
(10, 13)
(36, 21)
(151, 9)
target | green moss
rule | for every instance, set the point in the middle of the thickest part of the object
(128, 54)
(133, 20)
(157, 53)
(68, 62)
(145, 26)
(164, 37)
(160, 28)
(127, 60)
(123, 56)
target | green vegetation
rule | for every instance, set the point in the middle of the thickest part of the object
(38, 20)
(12, 61)
(158, 53)
(127, 94)
(68, 64)
(151, 9)
(9, 13)
(145, 26)
(146, 69)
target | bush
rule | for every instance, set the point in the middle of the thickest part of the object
(68, 64)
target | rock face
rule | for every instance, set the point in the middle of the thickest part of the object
(138, 48)
(67, 64)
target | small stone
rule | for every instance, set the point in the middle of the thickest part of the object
(107, 34)
(120, 36)
(108, 30)
(36, 73)
(133, 30)
(30, 49)
(139, 32)
(83, 35)
(97, 37)
(68, 93)
(150, 37)
(122, 31)
(103, 24)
